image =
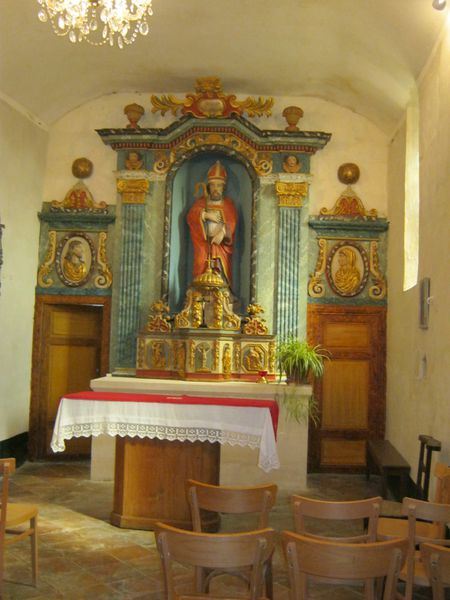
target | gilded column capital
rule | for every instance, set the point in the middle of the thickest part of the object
(133, 190)
(291, 194)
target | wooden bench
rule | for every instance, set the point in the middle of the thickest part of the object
(383, 458)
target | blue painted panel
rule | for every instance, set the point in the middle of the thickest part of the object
(239, 189)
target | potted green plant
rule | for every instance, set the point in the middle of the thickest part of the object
(300, 362)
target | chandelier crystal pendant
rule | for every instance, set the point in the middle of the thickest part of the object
(98, 22)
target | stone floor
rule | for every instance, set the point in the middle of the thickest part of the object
(83, 557)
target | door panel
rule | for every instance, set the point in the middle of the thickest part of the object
(73, 359)
(351, 394)
(345, 394)
(69, 349)
(346, 335)
(342, 452)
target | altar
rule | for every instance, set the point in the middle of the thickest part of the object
(151, 435)
(238, 462)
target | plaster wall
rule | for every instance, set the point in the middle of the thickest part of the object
(354, 139)
(417, 398)
(22, 156)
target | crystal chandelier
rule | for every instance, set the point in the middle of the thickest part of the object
(98, 22)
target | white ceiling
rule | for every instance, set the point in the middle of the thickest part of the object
(362, 54)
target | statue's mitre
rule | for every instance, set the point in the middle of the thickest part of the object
(217, 171)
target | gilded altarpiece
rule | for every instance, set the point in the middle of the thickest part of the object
(220, 323)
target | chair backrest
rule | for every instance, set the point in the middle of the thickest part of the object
(422, 510)
(310, 557)
(428, 445)
(214, 551)
(230, 500)
(7, 467)
(368, 509)
(437, 565)
(442, 477)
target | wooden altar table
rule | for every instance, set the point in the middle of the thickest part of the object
(161, 440)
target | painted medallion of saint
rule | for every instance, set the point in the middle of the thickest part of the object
(347, 276)
(74, 262)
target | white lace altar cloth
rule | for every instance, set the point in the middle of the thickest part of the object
(236, 425)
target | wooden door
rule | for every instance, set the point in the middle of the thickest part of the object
(68, 353)
(351, 394)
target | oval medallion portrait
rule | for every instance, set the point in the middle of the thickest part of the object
(347, 268)
(74, 259)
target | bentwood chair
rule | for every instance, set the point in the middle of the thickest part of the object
(398, 527)
(413, 572)
(358, 519)
(17, 521)
(236, 500)
(436, 560)
(252, 504)
(330, 561)
(212, 552)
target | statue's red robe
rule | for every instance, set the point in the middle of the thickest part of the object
(222, 252)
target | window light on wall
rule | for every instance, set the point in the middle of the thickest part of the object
(412, 196)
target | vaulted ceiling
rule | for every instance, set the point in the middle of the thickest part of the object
(362, 54)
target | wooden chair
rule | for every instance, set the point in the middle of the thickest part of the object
(13, 515)
(436, 560)
(234, 500)
(237, 500)
(214, 552)
(366, 510)
(389, 527)
(413, 572)
(327, 560)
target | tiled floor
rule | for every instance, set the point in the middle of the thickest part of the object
(83, 557)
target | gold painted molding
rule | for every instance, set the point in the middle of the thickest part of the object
(261, 161)
(133, 190)
(291, 194)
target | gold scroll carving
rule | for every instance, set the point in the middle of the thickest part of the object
(378, 290)
(209, 101)
(44, 270)
(158, 319)
(316, 288)
(349, 205)
(79, 199)
(104, 280)
(254, 324)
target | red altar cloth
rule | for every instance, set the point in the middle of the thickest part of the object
(184, 399)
